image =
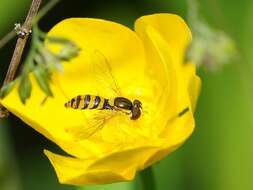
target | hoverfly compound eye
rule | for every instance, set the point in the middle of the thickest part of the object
(140, 104)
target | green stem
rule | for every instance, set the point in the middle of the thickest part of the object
(148, 179)
(8, 37)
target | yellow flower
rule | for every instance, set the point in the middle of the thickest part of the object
(148, 65)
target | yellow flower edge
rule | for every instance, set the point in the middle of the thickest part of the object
(148, 65)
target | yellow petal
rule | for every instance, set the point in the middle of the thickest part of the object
(119, 45)
(177, 36)
(177, 96)
(114, 167)
(172, 28)
(193, 83)
(79, 171)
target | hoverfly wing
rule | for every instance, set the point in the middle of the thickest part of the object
(102, 71)
(94, 125)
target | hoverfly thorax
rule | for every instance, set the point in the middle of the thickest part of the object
(123, 103)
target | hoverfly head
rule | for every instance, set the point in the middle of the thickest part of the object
(136, 109)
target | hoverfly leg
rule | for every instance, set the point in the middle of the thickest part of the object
(120, 110)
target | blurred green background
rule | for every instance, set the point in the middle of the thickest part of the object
(219, 154)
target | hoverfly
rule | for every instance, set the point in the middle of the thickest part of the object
(97, 102)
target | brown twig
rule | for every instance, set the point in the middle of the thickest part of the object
(17, 54)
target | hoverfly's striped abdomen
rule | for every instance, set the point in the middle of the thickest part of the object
(88, 102)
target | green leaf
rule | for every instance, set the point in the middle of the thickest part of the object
(6, 89)
(25, 88)
(68, 52)
(55, 66)
(53, 63)
(42, 76)
(58, 40)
